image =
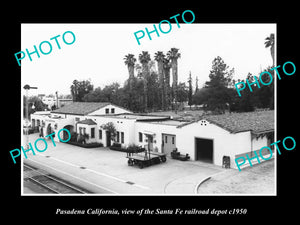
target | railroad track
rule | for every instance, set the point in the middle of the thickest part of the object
(49, 183)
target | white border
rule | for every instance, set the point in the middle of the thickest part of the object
(197, 195)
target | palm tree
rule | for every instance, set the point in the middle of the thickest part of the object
(144, 59)
(173, 55)
(159, 57)
(138, 69)
(167, 67)
(270, 43)
(74, 90)
(129, 60)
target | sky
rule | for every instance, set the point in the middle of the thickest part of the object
(99, 49)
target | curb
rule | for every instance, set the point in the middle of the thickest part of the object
(201, 182)
(205, 179)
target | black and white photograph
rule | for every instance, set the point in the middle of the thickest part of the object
(142, 110)
(111, 116)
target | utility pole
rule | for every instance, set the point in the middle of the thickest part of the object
(190, 94)
(197, 89)
(27, 87)
(56, 99)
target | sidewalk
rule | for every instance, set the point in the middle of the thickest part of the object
(104, 171)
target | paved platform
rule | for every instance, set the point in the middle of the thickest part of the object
(104, 171)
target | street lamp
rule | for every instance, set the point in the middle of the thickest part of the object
(27, 87)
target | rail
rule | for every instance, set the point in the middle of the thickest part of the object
(57, 187)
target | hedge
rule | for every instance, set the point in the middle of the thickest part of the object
(130, 149)
(86, 145)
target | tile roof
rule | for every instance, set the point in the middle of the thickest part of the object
(88, 122)
(81, 108)
(256, 122)
(134, 116)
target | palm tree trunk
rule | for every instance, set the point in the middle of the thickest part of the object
(131, 76)
(161, 83)
(163, 96)
(175, 79)
(272, 53)
(145, 76)
(167, 88)
(145, 95)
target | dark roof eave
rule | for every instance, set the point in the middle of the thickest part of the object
(69, 113)
(153, 120)
(254, 132)
(87, 122)
(262, 132)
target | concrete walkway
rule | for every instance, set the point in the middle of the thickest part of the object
(104, 171)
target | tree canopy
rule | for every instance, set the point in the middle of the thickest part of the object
(219, 94)
(150, 89)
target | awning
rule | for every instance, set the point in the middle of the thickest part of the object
(148, 133)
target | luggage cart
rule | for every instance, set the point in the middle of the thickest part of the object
(145, 159)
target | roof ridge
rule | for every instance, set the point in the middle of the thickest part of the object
(257, 121)
(74, 107)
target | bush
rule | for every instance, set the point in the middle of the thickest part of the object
(117, 147)
(86, 145)
(73, 136)
(81, 139)
(30, 130)
(130, 149)
(134, 149)
(110, 127)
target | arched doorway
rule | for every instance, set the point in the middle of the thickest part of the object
(65, 133)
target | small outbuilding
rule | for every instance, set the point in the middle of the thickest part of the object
(210, 138)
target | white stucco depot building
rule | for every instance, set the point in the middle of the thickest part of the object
(209, 138)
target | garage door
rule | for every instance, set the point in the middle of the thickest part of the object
(204, 149)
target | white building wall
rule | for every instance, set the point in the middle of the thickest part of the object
(57, 125)
(121, 125)
(88, 131)
(69, 116)
(258, 143)
(39, 117)
(158, 129)
(224, 142)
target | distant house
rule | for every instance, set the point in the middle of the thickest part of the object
(205, 138)
(51, 101)
(38, 118)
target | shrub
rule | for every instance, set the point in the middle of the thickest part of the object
(110, 127)
(74, 136)
(81, 139)
(86, 145)
(30, 131)
(134, 148)
(117, 147)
